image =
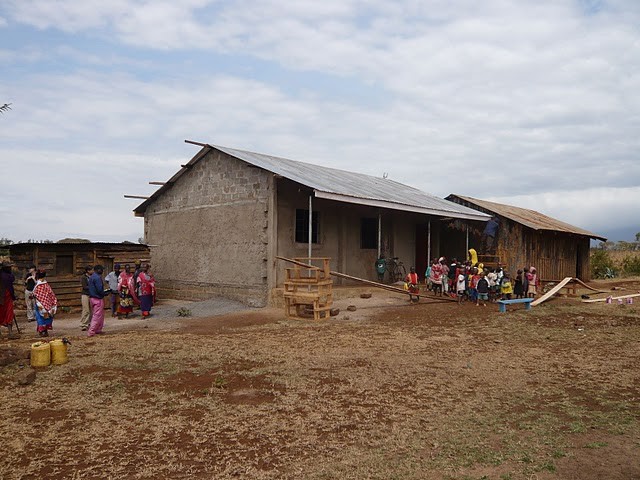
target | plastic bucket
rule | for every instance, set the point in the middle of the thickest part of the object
(40, 354)
(58, 352)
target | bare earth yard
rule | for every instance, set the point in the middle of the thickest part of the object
(392, 391)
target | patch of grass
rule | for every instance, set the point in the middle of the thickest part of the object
(596, 445)
(546, 467)
(577, 427)
(219, 382)
(558, 454)
(183, 312)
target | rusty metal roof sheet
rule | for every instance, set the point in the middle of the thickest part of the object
(526, 217)
(341, 185)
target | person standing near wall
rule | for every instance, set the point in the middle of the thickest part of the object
(46, 304)
(96, 294)
(136, 272)
(412, 281)
(7, 296)
(112, 280)
(85, 318)
(147, 290)
(29, 299)
(125, 283)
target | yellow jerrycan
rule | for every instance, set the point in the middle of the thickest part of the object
(40, 354)
(59, 351)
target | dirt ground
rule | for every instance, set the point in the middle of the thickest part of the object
(390, 391)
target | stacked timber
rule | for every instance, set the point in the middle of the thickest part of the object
(309, 288)
(65, 263)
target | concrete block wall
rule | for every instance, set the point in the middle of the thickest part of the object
(209, 232)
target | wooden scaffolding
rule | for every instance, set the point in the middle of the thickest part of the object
(309, 288)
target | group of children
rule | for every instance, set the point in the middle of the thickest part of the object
(479, 284)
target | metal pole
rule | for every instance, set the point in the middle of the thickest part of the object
(428, 244)
(310, 224)
(379, 234)
(465, 254)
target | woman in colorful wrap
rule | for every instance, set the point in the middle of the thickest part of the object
(147, 290)
(7, 296)
(125, 281)
(412, 285)
(46, 304)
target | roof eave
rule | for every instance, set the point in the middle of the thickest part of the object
(399, 206)
(140, 210)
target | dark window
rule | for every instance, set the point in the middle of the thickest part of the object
(64, 264)
(302, 226)
(369, 233)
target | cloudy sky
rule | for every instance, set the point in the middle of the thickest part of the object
(532, 103)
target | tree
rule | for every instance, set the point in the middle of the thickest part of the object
(638, 237)
(4, 108)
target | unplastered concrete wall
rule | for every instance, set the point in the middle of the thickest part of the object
(209, 232)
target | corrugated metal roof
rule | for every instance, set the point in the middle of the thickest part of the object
(342, 185)
(528, 218)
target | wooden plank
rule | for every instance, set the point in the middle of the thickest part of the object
(349, 277)
(577, 280)
(594, 300)
(552, 292)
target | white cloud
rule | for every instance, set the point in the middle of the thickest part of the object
(495, 99)
(593, 209)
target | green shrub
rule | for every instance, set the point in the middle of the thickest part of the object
(631, 265)
(601, 264)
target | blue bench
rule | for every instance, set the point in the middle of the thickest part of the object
(502, 304)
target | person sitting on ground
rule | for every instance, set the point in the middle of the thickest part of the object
(483, 290)
(46, 304)
(412, 285)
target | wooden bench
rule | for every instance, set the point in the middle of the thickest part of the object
(502, 304)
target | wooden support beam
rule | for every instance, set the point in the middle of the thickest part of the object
(593, 300)
(157, 183)
(349, 277)
(196, 143)
(141, 197)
